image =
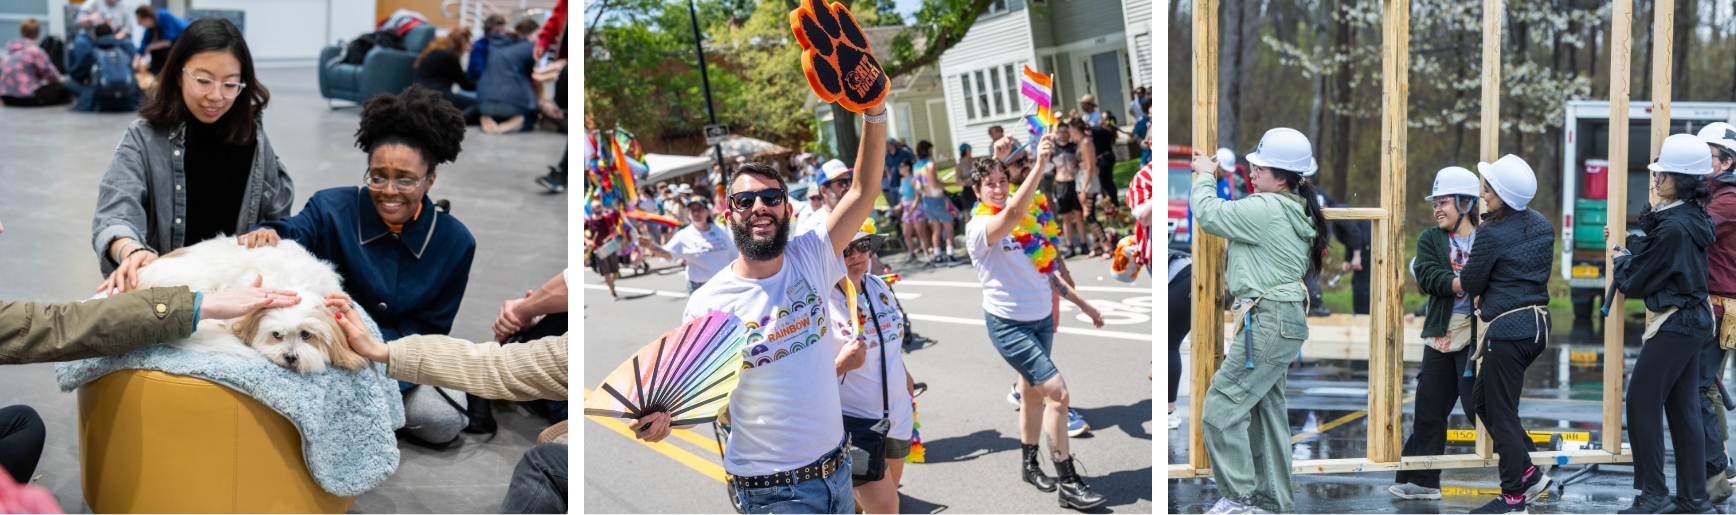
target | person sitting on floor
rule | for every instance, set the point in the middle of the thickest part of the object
(162, 28)
(27, 77)
(102, 77)
(503, 95)
(404, 259)
(437, 69)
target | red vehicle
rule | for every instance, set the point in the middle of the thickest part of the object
(1180, 176)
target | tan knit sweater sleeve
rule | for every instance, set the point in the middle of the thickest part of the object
(517, 372)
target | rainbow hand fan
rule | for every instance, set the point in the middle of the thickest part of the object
(692, 368)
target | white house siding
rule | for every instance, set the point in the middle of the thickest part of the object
(1080, 20)
(1139, 38)
(1002, 39)
(917, 96)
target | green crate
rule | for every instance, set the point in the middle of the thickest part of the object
(1588, 237)
(1585, 204)
(1590, 217)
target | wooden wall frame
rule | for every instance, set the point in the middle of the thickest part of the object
(1386, 365)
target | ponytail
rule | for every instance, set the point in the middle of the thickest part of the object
(1310, 207)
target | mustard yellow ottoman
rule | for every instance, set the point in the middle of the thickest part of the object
(154, 442)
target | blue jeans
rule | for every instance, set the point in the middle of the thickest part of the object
(539, 482)
(1025, 345)
(829, 495)
(693, 287)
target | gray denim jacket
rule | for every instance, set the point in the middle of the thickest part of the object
(142, 196)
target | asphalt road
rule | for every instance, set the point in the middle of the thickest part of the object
(969, 428)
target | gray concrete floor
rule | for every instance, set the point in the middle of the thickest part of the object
(1560, 394)
(51, 161)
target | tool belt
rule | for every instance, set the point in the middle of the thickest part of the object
(1727, 330)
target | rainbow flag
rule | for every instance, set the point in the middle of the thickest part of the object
(1037, 87)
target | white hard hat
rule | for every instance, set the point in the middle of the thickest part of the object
(1454, 180)
(1287, 149)
(1721, 134)
(1511, 179)
(1227, 159)
(1683, 154)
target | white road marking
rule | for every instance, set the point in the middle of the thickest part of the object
(1069, 330)
(979, 286)
(1128, 311)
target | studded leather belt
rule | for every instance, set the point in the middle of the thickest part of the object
(819, 470)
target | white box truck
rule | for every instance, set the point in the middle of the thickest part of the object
(1585, 183)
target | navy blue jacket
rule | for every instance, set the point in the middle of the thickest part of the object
(411, 283)
(1509, 269)
(506, 78)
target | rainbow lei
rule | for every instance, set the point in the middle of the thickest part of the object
(1037, 231)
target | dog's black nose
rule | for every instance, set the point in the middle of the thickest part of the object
(289, 359)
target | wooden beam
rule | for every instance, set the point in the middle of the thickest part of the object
(1355, 213)
(1663, 29)
(1489, 139)
(1449, 461)
(1620, 77)
(1208, 251)
(1386, 327)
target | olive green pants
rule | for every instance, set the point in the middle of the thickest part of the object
(1247, 432)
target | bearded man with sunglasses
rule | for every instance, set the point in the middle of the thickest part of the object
(786, 446)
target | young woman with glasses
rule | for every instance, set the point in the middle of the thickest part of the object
(196, 165)
(402, 259)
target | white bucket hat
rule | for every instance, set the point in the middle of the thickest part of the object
(1683, 154)
(1454, 180)
(1287, 149)
(1511, 179)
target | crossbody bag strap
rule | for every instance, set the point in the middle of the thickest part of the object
(885, 397)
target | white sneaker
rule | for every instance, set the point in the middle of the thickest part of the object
(1537, 490)
(1227, 505)
(1414, 492)
(1013, 398)
(1175, 419)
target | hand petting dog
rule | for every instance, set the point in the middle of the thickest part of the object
(237, 303)
(360, 340)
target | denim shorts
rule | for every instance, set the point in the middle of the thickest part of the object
(935, 209)
(829, 495)
(1025, 345)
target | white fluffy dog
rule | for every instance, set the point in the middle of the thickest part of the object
(303, 338)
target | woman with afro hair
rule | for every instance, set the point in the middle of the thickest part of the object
(402, 259)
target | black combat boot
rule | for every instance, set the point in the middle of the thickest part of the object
(1033, 470)
(1074, 494)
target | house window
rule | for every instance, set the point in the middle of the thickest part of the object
(970, 112)
(982, 95)
(995, 80)
(999, 6)
(905, 124)
(1012, 90)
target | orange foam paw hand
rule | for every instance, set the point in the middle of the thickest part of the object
(836, 57)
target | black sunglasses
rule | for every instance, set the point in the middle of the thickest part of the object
(859, 247)
(743, 201)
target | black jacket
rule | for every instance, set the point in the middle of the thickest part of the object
(1509, 269)
(1667, 267)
